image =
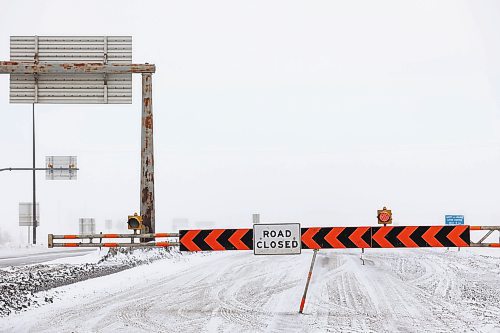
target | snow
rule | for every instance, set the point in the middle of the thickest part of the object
(92, 257)
(405, 290)
(21, 286)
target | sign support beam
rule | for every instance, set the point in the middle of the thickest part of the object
(38, 169)
(147, 155)
(24, 67)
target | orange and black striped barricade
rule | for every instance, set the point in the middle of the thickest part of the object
(216, 239)
(342, 237)
(420, 236)
(385, 237)
(336, 237)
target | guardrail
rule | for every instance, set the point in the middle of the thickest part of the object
(100, 237)
(490, 231)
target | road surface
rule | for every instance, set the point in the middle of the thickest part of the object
(395, 291)
(41, 256)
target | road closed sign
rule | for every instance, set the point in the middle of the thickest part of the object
(283, 238)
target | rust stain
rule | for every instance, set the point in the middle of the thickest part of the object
(147, 201)
(148, 120)
(145, 195)
(142, 68)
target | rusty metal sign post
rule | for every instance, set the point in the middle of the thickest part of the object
(147, 155)
(54, 69)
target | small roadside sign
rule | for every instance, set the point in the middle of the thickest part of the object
(454, 219)
(278, 238)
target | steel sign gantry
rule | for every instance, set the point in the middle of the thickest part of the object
(38, 68)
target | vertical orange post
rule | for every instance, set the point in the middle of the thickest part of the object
(303, 301)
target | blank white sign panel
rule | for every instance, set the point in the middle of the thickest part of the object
(72, 88)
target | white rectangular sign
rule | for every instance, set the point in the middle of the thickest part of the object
(75, 88)
(54, 165)
(26, 214)
(282, 238)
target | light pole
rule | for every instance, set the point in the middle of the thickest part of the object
(34, 180)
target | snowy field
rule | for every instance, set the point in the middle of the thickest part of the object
(419, 290)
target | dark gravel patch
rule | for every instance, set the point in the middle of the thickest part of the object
(19, 285)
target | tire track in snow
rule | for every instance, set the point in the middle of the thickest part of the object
(408, 291)
(437, 289)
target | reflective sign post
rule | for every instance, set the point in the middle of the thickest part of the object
(309, 276)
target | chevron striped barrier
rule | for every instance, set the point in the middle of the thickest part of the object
(385, 237)
(216, 239)
(334, 238)
(434, 236)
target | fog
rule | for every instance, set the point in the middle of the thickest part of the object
(313, 112)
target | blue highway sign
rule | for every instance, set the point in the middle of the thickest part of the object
(454, 219)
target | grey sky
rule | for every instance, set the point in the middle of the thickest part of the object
(312, 111)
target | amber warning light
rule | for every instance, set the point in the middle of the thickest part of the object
(384, 216)
(134, 222)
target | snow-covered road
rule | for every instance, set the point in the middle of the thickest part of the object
(40, 256)
(395, 291)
